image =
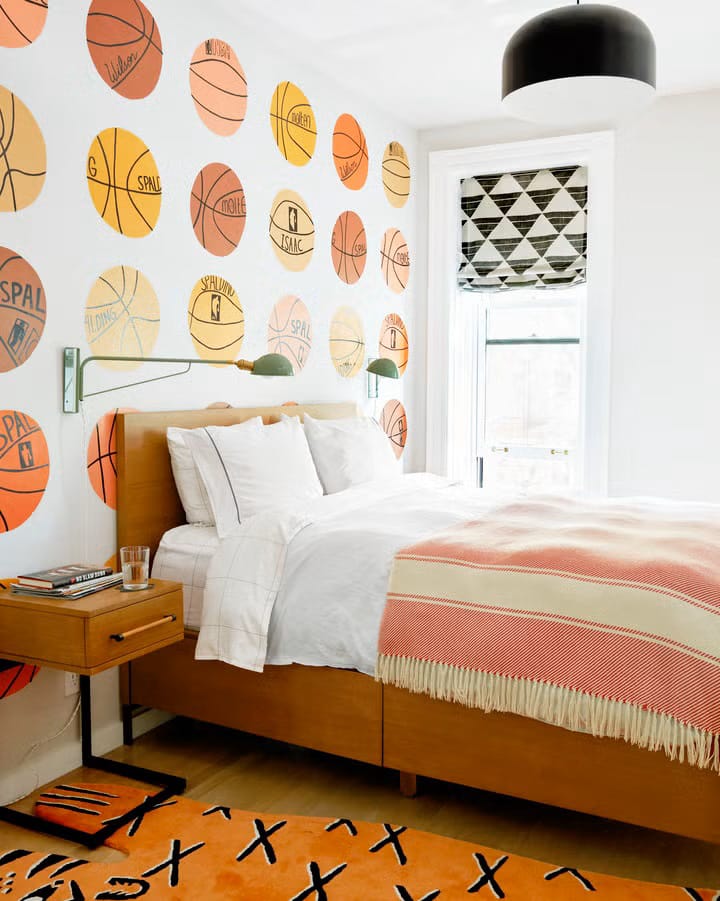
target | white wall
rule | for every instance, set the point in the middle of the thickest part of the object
(64, 239)
(664, 432)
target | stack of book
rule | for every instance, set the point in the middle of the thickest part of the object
(76, 580)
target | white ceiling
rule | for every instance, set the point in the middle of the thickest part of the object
(437, 62)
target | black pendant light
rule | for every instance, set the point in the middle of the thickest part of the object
(588, 64)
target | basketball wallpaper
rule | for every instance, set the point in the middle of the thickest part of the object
(177, 182)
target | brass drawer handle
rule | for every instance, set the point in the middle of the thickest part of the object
(121, 636)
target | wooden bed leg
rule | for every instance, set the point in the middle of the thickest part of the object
(408, 784)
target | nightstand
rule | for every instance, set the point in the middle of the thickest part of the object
(87, 636)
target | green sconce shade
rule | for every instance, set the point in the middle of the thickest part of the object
(384, 367)
(272, 364)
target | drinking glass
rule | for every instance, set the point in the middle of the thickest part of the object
(135, 562)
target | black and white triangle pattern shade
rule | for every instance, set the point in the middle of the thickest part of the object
(524, 229)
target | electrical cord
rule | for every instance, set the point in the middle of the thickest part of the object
(39, 744)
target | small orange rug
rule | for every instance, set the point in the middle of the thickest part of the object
(188, 849)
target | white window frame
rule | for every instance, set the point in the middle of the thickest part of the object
(445, 170)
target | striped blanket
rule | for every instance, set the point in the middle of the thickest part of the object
(596, 616)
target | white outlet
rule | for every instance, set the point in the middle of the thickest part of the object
(72, 684)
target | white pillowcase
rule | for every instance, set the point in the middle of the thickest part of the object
(250, 472)
(349, 452)
(193, 495)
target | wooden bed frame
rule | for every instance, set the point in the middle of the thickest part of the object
(347, 713)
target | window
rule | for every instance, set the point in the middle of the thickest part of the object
(529, 365)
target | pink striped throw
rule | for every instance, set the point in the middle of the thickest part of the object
(597, 616)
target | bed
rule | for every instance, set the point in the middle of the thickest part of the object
(346, 712)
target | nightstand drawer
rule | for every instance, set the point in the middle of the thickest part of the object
(124, 633)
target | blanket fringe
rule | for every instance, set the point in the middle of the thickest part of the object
(579, 711)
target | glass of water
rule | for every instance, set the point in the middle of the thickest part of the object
(135, 562)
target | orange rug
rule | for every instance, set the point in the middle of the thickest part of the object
(187, 849)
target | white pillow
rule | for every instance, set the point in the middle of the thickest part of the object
(349, 452)
(254, 471)
(193, 495)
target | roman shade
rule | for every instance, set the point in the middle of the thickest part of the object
(523, 229)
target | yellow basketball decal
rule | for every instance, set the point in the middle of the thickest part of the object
(124, 182)
(393, 342)
(292, 231)
(290, 331)
(396, 174)
(122, 316)
(216, 319)
(22, 145)
(347, 342)
(293, 123)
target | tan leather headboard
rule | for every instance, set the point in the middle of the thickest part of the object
(147, 501)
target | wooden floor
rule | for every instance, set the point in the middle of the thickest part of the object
(245, 772)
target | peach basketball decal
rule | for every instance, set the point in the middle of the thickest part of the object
(216, 319)
(290, 331)
(396, 174)
(350, 152)
(217, 209)
(122, 316)
(102, 457)
(124, 182)
(125, 46)
(218, 87)
(393, 420)
(394, 341)
(292, 231)
(395, 260)
(293, 123)
(23, 154)
(347, 342)
(349, 247)
(24, 468)
(21, 21)
(22, 309)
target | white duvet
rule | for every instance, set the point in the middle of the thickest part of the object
(308, 585)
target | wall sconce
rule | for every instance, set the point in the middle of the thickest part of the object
(74, 372)
(377, 368)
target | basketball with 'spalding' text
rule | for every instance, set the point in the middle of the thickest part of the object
(124, 182)
(22, 309)
(24, 468)
(349, 247)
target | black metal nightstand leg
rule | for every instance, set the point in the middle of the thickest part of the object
(169, 786)
(127, 723)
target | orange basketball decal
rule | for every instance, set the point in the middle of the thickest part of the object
(396, 174)
(394, 422)
(22, 151)
(102, 456)
(290, 331)
(22, 309)
(347, 342)
(125, 46)
(292, 231)
(218, 86)
(15, 676)
(350, 152)
(349, 247)
(122, 316)
(394, 341)
(124, 182)
(293, 124)
(24, 468)
(395, 260)
(217, 209)
(216, 319)
(21, 21)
